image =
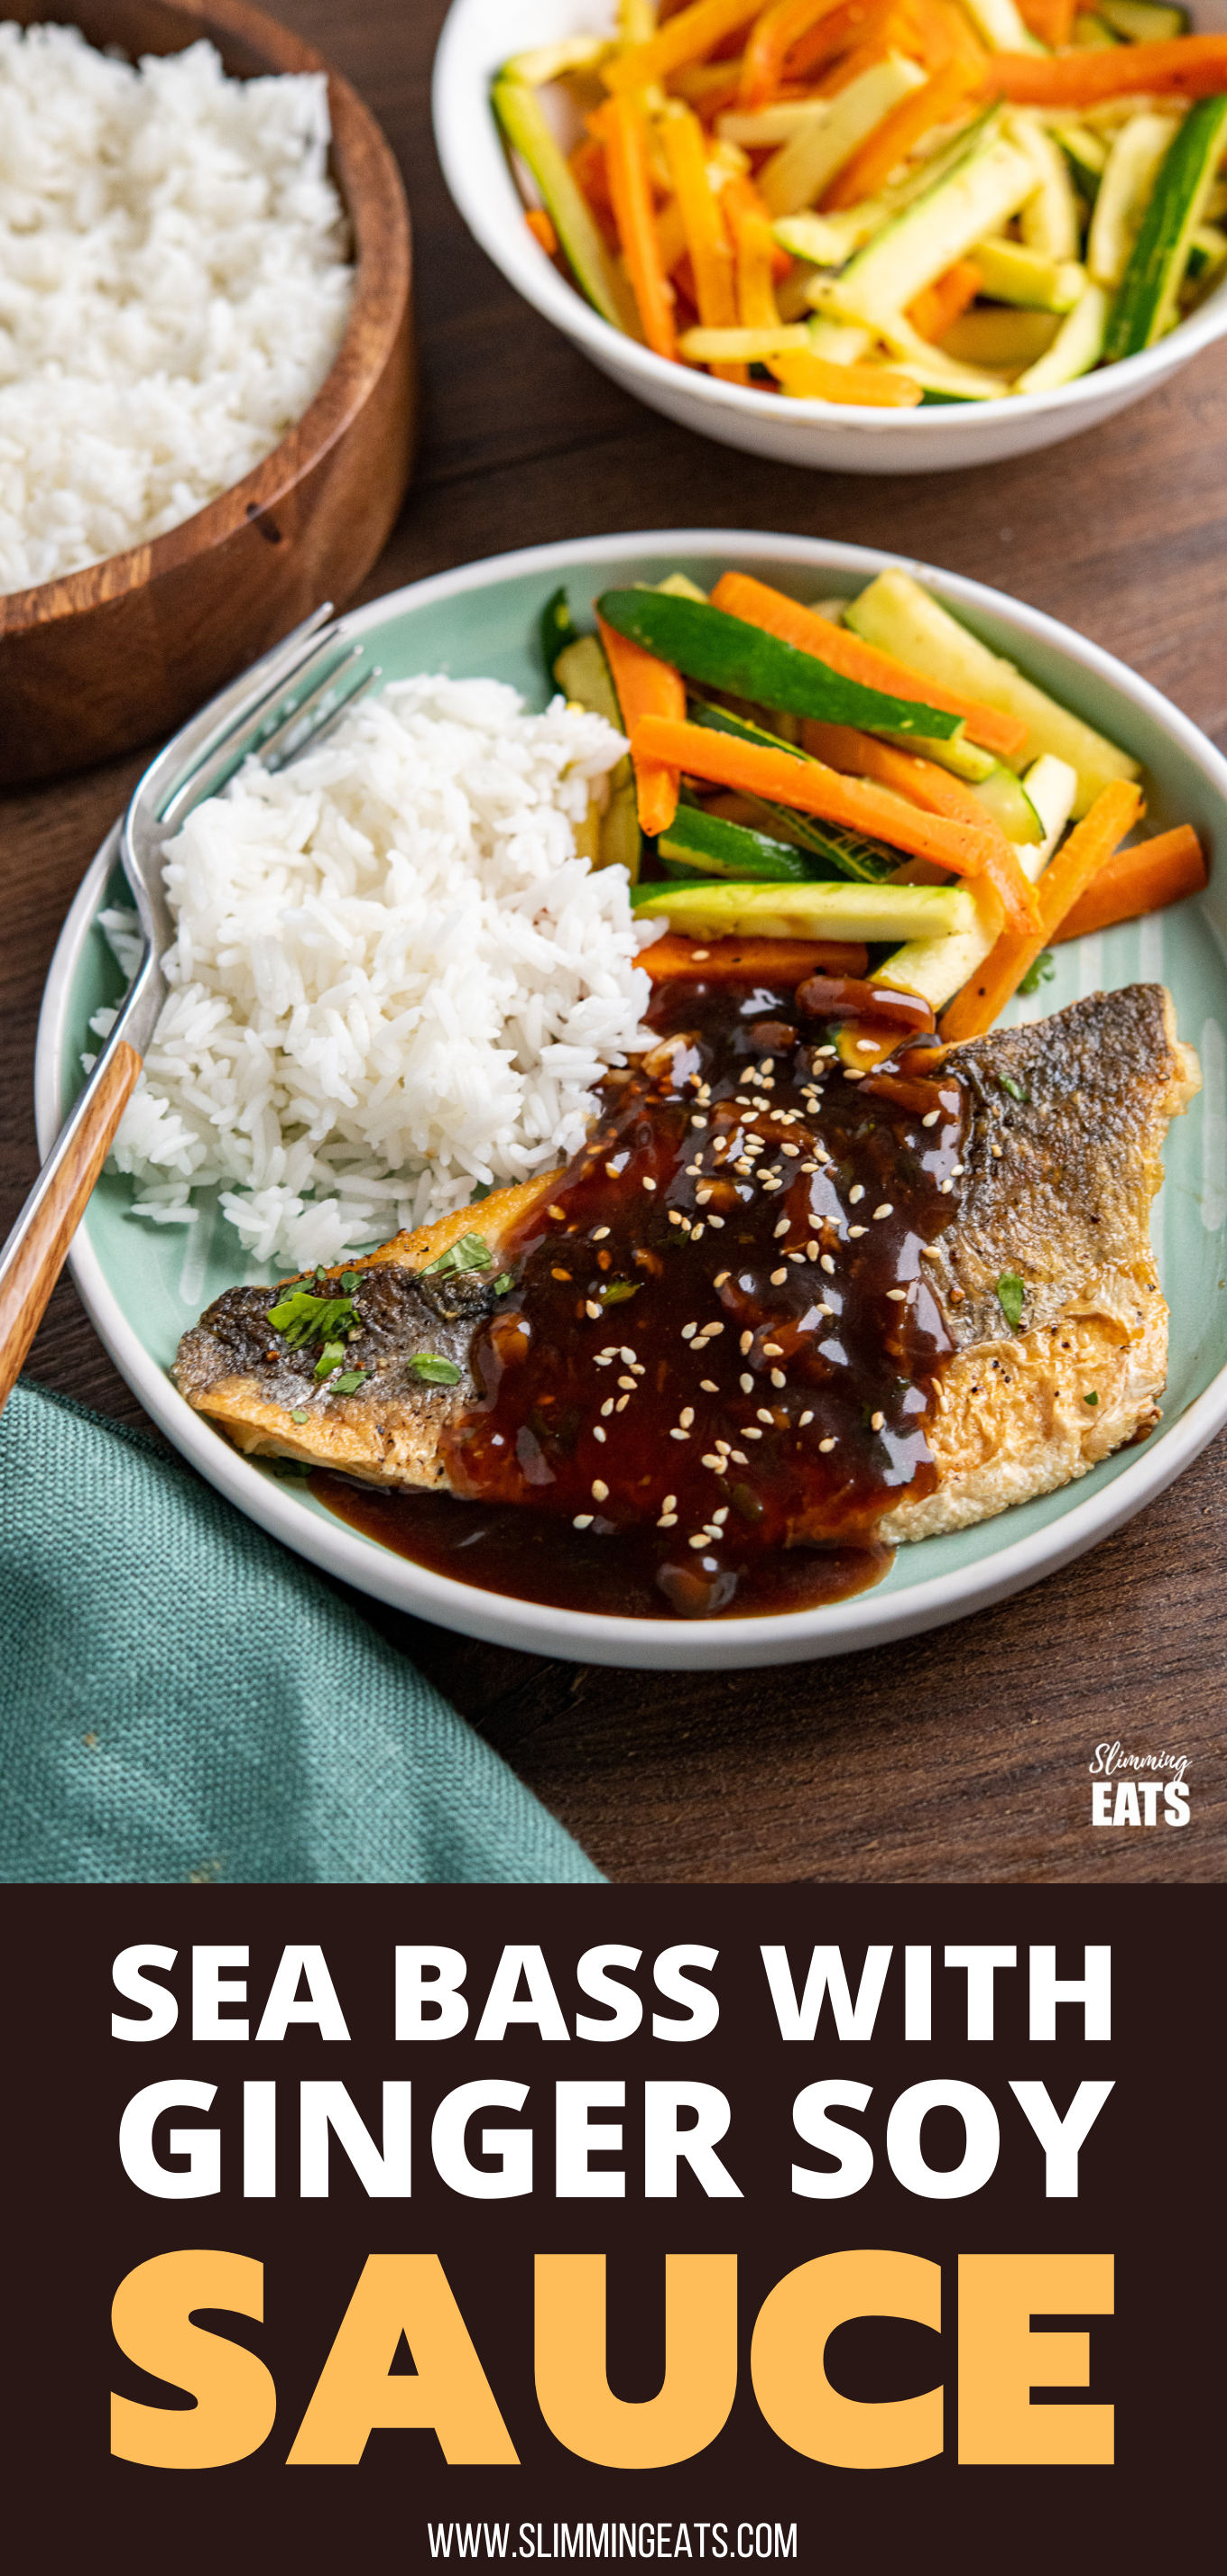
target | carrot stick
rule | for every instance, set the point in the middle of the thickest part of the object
(624, 127)
(898, 134)
(757, 309)
(937, 306)
(645, 687)
(683, 39)
(943, 34)
(769, 43)
(1144, 879)
(936, 792)
(835, 33)
(1076, 864)
(1051, 20)
(809, 378)
(760, 605)
(752, 960)
(807, 784)
(542, 230)
(1188, 66)
(703, 223)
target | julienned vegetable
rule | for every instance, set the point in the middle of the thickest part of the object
(847, 203)
(765, 827)
(726, 653)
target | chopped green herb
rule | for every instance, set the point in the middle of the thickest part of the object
(614, 1292)
(304, 1318)
(1015, 1089)
(502, 1283)
(349, 1383)
(471, 1252)
(1042, 972)
(1090, 1399)
(433, 1371)
(349, 1281)
(300, 1416)
(330, 1359)
(1010, 1294)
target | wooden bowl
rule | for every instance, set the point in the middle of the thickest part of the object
(119, 654)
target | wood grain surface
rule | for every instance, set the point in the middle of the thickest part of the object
(961, 1755)
(133, 645)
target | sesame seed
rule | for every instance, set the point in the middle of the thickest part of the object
(582, 1520)
(773, 1350)
(717, 1221)
(622, 1403)
(592, 1310)
(695, 1232)
(827, 1262)
(679, 1435)
(930, 1118)
(739, 1457)
(709, 1386)
(824, 1445)
(701, 1540)
(628, 1356)
(867, 1046)
(806, 1417)
(600, 1492)
(898, 1294)
(778, 1277)
(648, 1182)
(790, 1149)
(701, 1197)
(877, 1421)
(597, 1432)
(557, 1212)
(692, 1168)
(721, 1276)
(614, 1174)
(723, 1447)
(674, 1218)
(712, 1329)
(600, 1234)
(947, 1186)
(853, 1073)
(607, 1407)
(628, 1383)
(717, 1465)
(855, 1231)
(886, 1209)
(747, 1343)
(688, 1330)
(719, 1518)
(764, 1416)
(782, 1228)
(778, 1378)
(698, 955)
(751, 1434)
(686, 1416)
(698, 1122)
(856, 1193)
(997, 1152)
(795, 1256)
(668, 1520)
(811, 1251)
(746, 1382)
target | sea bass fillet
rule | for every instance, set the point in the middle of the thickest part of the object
(773, 1300)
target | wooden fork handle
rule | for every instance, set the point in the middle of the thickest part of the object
(40, 1253)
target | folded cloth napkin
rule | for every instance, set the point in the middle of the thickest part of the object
(182, 1699)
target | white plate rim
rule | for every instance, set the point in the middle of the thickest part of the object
(534, 277)
(868, 1619)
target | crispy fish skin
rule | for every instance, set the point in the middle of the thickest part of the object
(233, 1367)
(1061, 1162)
(1057, 1191)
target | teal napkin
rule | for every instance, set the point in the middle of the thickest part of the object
(181, 1699)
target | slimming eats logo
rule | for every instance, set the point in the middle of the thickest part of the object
(1134, 1800)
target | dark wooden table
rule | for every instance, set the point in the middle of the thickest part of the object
(960, 1755)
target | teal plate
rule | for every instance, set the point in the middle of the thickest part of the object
(143, 1284)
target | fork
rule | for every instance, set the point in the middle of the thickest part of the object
(257, 713)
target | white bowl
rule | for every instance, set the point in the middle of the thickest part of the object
(141, 1291)
(480, 34)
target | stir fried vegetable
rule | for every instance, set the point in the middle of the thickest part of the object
(879, 202)
(775, 821)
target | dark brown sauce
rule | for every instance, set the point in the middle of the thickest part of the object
(702, 1395)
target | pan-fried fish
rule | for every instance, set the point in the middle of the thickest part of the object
(774, 1302)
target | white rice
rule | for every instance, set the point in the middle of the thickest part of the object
(174, 286)
(394, 979)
